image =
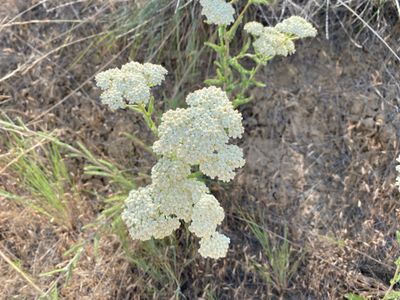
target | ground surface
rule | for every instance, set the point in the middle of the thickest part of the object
(320, 146)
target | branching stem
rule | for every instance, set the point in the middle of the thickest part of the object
(146, 113)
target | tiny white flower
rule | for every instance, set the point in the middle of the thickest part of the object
(113, 98)
(169, 171)
(105, 79)
(217, 12)
(132, 67)
(134, 89)
(218, 106)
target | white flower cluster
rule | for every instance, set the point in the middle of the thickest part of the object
(175, 193)
(297, 26)
(207, 215)
(144, 218)
(197, 135)
(278, 40)
(217, 11)
(272, 42)
(254, 28)
(155, 211)
(398, 171)
(216, 246)
(131, 84)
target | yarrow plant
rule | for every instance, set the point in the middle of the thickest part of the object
(267, 43)
(195, 141)
(197, 136)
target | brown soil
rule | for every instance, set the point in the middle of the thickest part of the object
(320, 146)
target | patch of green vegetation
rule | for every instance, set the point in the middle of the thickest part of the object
(44, 183)
(37, 160)
(279, 261)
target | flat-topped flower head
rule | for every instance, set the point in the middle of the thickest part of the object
(121, 88)
(215, 101)
(132, 67)
(223, 162)
(297, 26)
(190, 135)
(254, 28)
(208, 97)
(217, 12)
(129, 85)
(169, 171)
(143, 218)
(278, 40)
(272, 42)
(172, 131)
(215, 246)
(207, 215)
(177, 199)
(196, 134)
(154, 74)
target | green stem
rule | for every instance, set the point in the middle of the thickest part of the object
(254, 71)
(141, 108)
(392, 283)
(223, 57)
(234, 27)
(245, 86)
(224, 70)
(225, 37)
(196, 175)
(227, 56)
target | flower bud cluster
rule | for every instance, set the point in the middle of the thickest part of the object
(278, 40)
(198, 135)
(129, 85)
(218, 12)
